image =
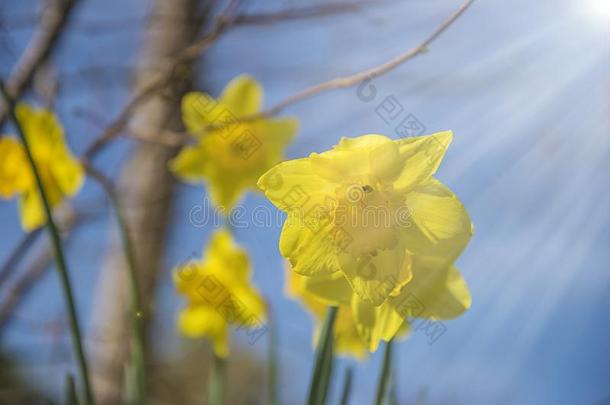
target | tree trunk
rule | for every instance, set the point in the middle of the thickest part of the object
(146, 189)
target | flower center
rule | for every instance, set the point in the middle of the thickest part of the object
(366, 212)
(236, 147)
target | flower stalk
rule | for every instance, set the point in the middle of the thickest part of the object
(137, 311)
(273, 359)
(384, 377)
(347, 386)
(216, 381)
(321, 372)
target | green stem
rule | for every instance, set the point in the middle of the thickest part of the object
(216, 382)
(71, 398)
(327, 372)
(137, 313)
(384, 378)
(393, 395)
(347, 385)
(323, 352)
(273, 363)
(58, 253)
(138, 316)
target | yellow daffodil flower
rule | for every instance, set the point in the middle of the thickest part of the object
(62, 175)
(218, 293)
(371, 211)
(232, 150)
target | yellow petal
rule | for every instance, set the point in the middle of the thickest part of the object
(353, 158)
(15, 172)
(385, 161)
(205, 322)
(361, 142)
(251, 308)
(347, 338)
(30, 202)
(295, 288)
(68, 172)
(438, 224)
(375, 278)
(188, 277)
(275, 134)
(309, 249)
(199, 110)
(243, 96)
(190, 164)
(293, 186)
(332, 289)
(225, 254)
(226, 191)
(432, 292)
(421, 155)
(375, 324)
(42, 130)
(32, 210)
(382, 158)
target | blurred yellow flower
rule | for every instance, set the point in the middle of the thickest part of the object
(231, 152)
(61, 173)
(218, 293)
(371, 210)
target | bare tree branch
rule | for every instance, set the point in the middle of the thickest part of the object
(300, 13)
(96, 26)
(17, 254)
(349, 81)
(227, 19)
(223, 21)
(341, 82)
(42, 261)
(40, 47)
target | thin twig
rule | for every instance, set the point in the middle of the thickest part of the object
(14, 295)
(227, 19)
(166, 137)
(37, 51)
(114, 26)
(350, 81)
(223, 21)
(17, 254)
(137, 312)
(38, 266)
(299, 13)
